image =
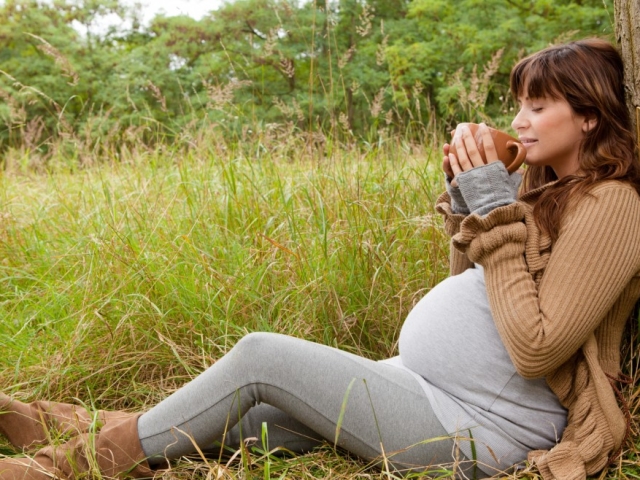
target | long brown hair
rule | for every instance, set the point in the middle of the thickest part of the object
(588, 74)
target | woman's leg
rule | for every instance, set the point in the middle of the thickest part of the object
(282, 431)
(367, 404)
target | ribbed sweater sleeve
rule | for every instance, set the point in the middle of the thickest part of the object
(594, 258)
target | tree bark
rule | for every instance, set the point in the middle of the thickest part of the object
(627, 17)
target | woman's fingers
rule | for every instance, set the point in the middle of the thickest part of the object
(456, 168)
(468, 150)
(489, 146)
(461, 152)
(446, 166)
(473, 154)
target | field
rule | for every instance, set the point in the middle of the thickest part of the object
(121, 281)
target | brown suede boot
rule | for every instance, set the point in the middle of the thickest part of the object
(115, 452)
(27, 469)
(27, 425)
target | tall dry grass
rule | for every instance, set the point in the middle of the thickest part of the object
(122, 281)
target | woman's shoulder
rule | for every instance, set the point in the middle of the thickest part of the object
(614, 192)
(610, 211)
(614, 185)
(608, 197)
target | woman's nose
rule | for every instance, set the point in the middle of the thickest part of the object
(518, 121)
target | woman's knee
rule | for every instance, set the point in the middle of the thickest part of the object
(257, 346)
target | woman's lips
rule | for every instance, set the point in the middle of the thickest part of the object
(527, 141)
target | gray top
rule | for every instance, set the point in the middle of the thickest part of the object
(450, 342)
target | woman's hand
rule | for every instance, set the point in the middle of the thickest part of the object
(468, 154)
(446, 164)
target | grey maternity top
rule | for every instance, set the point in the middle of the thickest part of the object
(450, 343)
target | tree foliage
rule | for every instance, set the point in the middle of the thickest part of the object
(355, 69)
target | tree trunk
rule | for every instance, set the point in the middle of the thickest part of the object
(627, 15)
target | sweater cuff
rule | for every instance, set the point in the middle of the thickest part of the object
(458, 205)
(481, 236)
(452, 220)
(487, 187)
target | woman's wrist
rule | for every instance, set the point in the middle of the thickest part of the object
(487, 187)
(458, 204)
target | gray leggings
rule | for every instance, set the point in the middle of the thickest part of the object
(301, 390)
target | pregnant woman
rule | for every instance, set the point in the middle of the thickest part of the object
(513, 357)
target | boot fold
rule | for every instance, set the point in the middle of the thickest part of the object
(115, 452)
(27, 425)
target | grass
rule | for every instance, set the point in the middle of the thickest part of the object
(120, 282)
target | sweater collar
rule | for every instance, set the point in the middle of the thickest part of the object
(534, 194)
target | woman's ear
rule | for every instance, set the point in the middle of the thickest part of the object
(589, 123)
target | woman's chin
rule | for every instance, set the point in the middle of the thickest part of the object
(532, 161)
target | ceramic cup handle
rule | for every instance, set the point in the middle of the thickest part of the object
(520, 156)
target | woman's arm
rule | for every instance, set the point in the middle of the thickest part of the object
(454, 209)
(458, 260)
(594, 259)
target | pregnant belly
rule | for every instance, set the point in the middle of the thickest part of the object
(450, 339)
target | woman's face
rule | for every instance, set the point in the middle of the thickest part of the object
(551, 132)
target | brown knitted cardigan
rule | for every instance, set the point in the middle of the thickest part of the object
(561, 309)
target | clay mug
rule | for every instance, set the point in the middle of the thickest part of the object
(510, 151)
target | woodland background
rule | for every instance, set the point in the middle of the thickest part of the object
(351, 70)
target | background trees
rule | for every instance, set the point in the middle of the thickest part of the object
(354, 69)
